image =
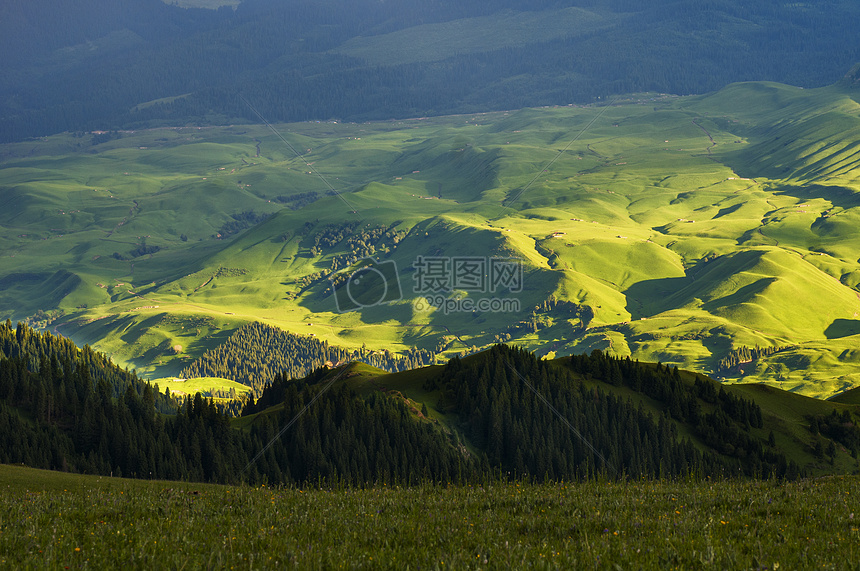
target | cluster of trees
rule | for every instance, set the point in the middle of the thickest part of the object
(743, 355)
(141, 250)
(543, 316)
(257, 353)
(842, 428)
(298, 200)
(239, 222)
(366, 243)
(501, 396)
(41, 352)
(330, 236)
(353, 439)
(62, 407)
(43, 319)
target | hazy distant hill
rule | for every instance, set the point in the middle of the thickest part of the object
(104, 65)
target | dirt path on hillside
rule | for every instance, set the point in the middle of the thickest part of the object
(134, 210)
(710, 138)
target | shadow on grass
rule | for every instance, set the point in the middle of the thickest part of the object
(650, 297)
(842, 328)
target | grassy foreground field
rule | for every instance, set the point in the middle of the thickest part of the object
(53, 520)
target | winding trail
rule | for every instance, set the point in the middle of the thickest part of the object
(131, 214)
(713, 143)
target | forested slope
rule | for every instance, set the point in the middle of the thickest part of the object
(85, 415)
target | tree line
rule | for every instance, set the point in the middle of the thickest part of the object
(718, 418)
(743, 355)
(257, 353)
(501, 400)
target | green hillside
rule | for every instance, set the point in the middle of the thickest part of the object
(680, 229)
(851, 396)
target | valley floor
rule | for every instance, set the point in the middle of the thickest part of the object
(51, 520)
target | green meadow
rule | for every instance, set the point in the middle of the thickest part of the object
(53, 519)
(206, 386)
(688, 226)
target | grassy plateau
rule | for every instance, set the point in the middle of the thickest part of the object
(688, 227)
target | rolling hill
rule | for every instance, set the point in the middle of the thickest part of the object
(673, 229)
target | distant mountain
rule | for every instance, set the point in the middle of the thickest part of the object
(100, 65)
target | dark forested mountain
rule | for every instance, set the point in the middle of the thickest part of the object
(500, 412)
(66, 408)
(551, 420)
(104, 64)
(530, 416)
(34, 359)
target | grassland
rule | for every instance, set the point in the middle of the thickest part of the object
(690, 226)
(206, 386)
(59, 520)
